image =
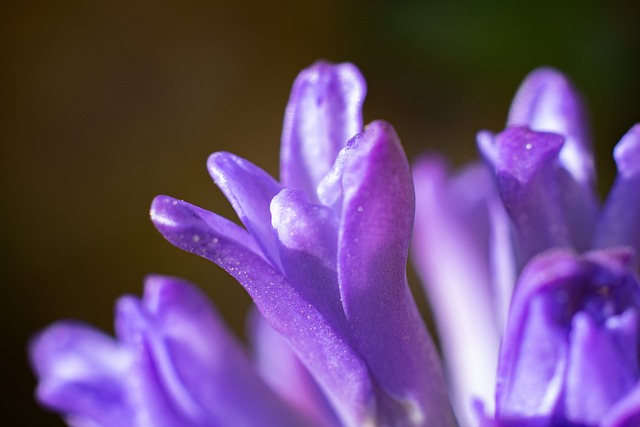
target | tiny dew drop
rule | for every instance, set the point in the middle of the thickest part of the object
(529, 146)
(360, 208)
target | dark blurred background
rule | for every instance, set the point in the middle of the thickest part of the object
(107, 104)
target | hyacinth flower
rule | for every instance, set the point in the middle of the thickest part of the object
(566, 353)
(337, 336)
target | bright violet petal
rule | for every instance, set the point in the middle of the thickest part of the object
(451, 247)
(249, 190)
(528, 180)
(547, 102)
(619, 222)
(377, 219)
(203, 369)
(324, 112)
(286, 375)
(307, 236)
(324, 350)
(82, 374)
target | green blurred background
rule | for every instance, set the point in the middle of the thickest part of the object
(107, 104)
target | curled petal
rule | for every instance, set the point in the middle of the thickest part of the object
(324, 349)
(451, 246)
(324, 112)
(538, 195)
(619, 221)
(547, 102)
(81, 374)
(376, 224)
(250, 190)
(286, 374)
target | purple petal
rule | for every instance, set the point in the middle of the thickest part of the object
(81, 374)
(323, 113)
(626, 412)
(323, 348)
(547, 102)
(286, 375)
(202, 369)
(250, 190)
(451, 247)
(619, 221)
(603, 366)
(534, 190)
(377, 218)
(570, 349)
(307, 236)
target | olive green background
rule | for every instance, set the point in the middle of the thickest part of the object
(106, 104)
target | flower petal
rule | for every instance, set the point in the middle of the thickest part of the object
(324, 112)
(603, 366)
(377, 218)
(286, 375)
(451, 253)
(307, 236)
(619, 221)
(202, 368)
(249, 190)
(538, 194)
(327, 353)
(81, 374)
(547, 102)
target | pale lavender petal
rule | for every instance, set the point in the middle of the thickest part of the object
(619, 221)
(547, 102)
(82, 374)
(377, 218)
(203, 370)
(286, 375)
(307, 236)
(324, 112)
(531, 187)
(326, 352)
(249, 190)
(451, 253)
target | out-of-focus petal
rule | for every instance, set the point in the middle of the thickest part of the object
(286, 375)
(619, 221)
(570, 348)
(324, 112)
(625, 413)
(307, 236)
(249, 190)
(81, 374)
(603, 365)
(451, 253)
(203, 371)
(547, 102)
(322, 346)
(377, 219)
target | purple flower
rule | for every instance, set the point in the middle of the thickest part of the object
(338, 337)
(567, 352)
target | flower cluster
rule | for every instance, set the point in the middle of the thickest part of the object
(563, 349)
(534, 287)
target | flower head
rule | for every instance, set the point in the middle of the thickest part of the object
(323, 255)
